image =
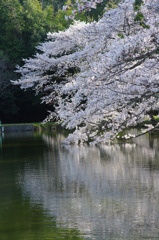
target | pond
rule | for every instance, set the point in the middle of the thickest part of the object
(53, 192)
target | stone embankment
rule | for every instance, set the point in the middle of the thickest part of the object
(17, 128)
(38, 127)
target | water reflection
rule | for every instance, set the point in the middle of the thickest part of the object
(20, 219)
(107, 192)
(1, 138)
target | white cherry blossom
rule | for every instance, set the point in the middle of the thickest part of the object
(102, 77)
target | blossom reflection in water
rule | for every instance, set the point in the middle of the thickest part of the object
(103, 191)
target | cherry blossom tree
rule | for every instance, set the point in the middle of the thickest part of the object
(102, 77)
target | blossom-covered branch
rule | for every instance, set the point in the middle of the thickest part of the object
(102, 77)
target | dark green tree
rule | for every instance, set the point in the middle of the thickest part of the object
(23, 25)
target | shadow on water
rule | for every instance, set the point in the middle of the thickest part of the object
(48, 191)
(19, 218)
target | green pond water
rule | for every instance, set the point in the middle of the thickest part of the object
(50, 192)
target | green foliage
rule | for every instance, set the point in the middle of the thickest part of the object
(93, 14)
(56, 4)
(137, 4)
(23, 25)
(140, 18)
(35, 24)
(120, 35)
(144, 25)
(59, 21)
(11, 28)
(112, 4)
